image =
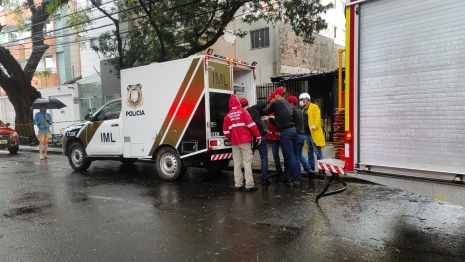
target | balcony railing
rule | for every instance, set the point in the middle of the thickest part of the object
(52, 70)
(11, 41)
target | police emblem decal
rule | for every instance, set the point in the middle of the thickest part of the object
(135, 98)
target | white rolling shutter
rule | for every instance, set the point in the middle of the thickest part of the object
(412, 84)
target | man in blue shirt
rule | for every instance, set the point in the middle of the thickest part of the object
(43, 120)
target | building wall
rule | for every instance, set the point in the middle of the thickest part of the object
(226, 44)
(297, 57)
(7, 111)
(68, 58)
(68, 94)
(335, 18)
(266, 57)
(111, 84)
(90, 60)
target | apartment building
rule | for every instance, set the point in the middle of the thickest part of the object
(278, 51)
(67, 60)
(59, 60)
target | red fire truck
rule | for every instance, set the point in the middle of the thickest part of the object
(405, 96)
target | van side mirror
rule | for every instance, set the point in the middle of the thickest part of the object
(7, 124)
(88, 117)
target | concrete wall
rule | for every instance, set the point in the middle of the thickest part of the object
(298, 57)
(267, 57)
(226, 44)
(111, 84)
(68, 94)
(7, 111)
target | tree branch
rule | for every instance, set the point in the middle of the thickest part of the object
(117, 32)
(226, 18)
(157, 30)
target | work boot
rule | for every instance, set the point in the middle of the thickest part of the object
(287, 181)
(277, 174)
(251, 189)
(265, 181)
(297, 183)
(311, 175)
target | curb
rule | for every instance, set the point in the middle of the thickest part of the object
(33, 149)
(304, 175)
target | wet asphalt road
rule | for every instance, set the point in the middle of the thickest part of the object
(126, 213)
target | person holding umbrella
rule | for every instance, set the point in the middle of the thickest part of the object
(43, 120)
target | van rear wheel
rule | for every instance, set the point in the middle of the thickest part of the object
(168, 164)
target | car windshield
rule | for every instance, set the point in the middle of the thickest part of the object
(1, 123)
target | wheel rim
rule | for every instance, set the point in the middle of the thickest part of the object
(169, 164)
(77, 156)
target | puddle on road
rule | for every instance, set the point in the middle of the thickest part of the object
(24, 211)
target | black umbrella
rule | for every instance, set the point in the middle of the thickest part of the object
(50, 103)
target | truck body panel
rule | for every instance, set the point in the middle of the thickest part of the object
(405, 91)
(178, 104)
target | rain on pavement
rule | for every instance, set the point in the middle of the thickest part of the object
(115, 212)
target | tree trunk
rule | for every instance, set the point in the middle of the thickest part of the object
(22, 98)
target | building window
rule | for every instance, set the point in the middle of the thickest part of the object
(334, 32)
(49, 62)
(93, 42)
(48, 27)
(260, 38)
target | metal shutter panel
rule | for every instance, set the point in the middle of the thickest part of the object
(412, 84)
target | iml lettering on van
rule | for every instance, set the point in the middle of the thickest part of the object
(107, 138)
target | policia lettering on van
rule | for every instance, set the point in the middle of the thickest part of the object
(99, 136)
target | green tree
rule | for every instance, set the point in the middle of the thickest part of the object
(158, 31)
(16, 81)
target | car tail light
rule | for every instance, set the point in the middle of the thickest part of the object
(213, 142)
(14, 135)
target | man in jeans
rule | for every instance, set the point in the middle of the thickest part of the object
(237, 126)
(273, 136)
(283, 117)
(256, 112)
(299, 126)
(314, 137)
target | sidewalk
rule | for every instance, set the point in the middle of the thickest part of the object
(50, 150)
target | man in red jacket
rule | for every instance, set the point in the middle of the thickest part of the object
(237, 126)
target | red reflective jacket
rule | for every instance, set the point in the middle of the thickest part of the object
(237, 123)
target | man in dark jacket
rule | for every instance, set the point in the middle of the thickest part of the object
(256, 112)
(284, 121)
(299, 126)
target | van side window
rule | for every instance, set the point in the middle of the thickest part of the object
(110, 111)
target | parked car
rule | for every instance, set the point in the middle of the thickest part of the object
(8, 138)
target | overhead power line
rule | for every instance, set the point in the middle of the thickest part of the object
(124, 10)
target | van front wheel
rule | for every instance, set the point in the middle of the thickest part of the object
(168, 164)
(77, 157)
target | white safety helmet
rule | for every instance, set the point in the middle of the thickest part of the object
(304, 95)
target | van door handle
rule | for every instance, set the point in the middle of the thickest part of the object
(115, 125)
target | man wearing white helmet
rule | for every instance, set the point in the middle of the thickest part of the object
(314, 137)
